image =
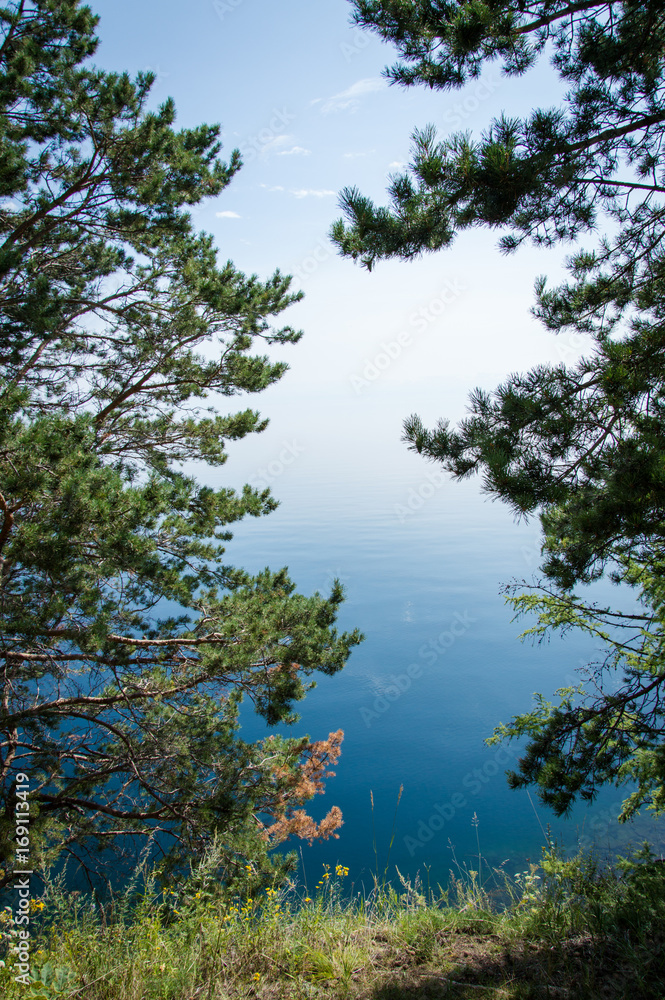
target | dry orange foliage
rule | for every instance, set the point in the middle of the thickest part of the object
(307, 780)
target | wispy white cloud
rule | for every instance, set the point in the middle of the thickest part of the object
(294, 151)
(272, 187)
(227, 215)
(356, 156)
(313, 193)
(396, 165)
(273, 145)
(349, 99)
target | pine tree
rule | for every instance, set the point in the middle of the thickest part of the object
(581, 446)
(126, 643)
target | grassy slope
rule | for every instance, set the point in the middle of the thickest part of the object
(574, 931)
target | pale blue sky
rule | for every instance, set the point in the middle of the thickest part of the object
(299, 91)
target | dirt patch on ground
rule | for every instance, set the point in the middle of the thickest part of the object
(480, 966)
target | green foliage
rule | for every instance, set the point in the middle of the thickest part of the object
(580, 445)
(594, 931)
(624, 901)
(126, 642)
(49, 982)
(601, 730)
(545, 177)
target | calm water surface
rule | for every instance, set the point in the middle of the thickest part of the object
(422, 561)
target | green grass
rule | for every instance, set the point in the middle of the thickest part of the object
(565, 929)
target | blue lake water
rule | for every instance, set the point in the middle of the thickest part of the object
(422, 560)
